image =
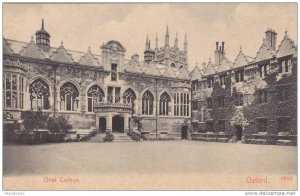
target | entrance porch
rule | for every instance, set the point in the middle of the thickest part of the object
(115, 123)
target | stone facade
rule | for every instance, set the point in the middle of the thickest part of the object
(249, 99)
(101, 91)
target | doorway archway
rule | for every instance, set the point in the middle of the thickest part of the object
(102, 125)
(117, 124)
(184, 132)
(238, 132)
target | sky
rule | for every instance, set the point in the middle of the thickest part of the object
(82, 25)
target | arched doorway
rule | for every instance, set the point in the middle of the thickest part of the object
(238, 132)
(102, 125)
(118, 124)
(184, 132)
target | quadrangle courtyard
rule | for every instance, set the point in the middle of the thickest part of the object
(189, 158)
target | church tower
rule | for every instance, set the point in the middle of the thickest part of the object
(43, 38)
(168, 54)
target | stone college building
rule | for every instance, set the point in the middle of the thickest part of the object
(253, 100)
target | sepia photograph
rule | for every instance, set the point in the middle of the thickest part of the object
(149, 96)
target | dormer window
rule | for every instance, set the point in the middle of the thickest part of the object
(210, 82)
(239, 76)
(264, 70)
(222, 79)
(285, 66)
(113, 72)
(194, 85)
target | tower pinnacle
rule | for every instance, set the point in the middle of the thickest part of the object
(147, 43)
(185, 45)
(42, 24)
(167, 37)
(176, 42)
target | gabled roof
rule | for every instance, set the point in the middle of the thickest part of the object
(32, 50)
(6, 47)
(210, 68)
(132, 67)
(17, 46)
(242, 60)
(183, 73)
(150, 69)
(168, 72)
(89, 59)
(265, 52)
(196, 73)
(62, 55)
(114, 46)
(225, 65)
(286, 47)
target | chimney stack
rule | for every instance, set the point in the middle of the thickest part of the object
(223, 46)
(271, 37)
(219, 53)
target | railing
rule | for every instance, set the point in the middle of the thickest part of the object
(134, 136)
(118, 105)
(89, 136)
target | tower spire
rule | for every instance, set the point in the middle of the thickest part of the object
(176, 42)
(42, 24)
(185, 43)
(167, 37)
(147, 42)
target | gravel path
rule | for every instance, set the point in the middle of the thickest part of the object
(148, 157)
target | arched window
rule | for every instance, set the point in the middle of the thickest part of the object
(164, 104)
(95, 95)
(147, 103)
(39, 95)
(69, 97)
(129, 97)
(12, 92)
(14, 95)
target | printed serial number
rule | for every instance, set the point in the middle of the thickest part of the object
(286, 178)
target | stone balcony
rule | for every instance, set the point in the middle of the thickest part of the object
(113, 107)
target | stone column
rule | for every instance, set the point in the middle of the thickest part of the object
(126, 124)
(97, 122)
(109, 122)
(113, 95)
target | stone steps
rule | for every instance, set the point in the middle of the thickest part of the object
(121, 137)
(118, 137)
